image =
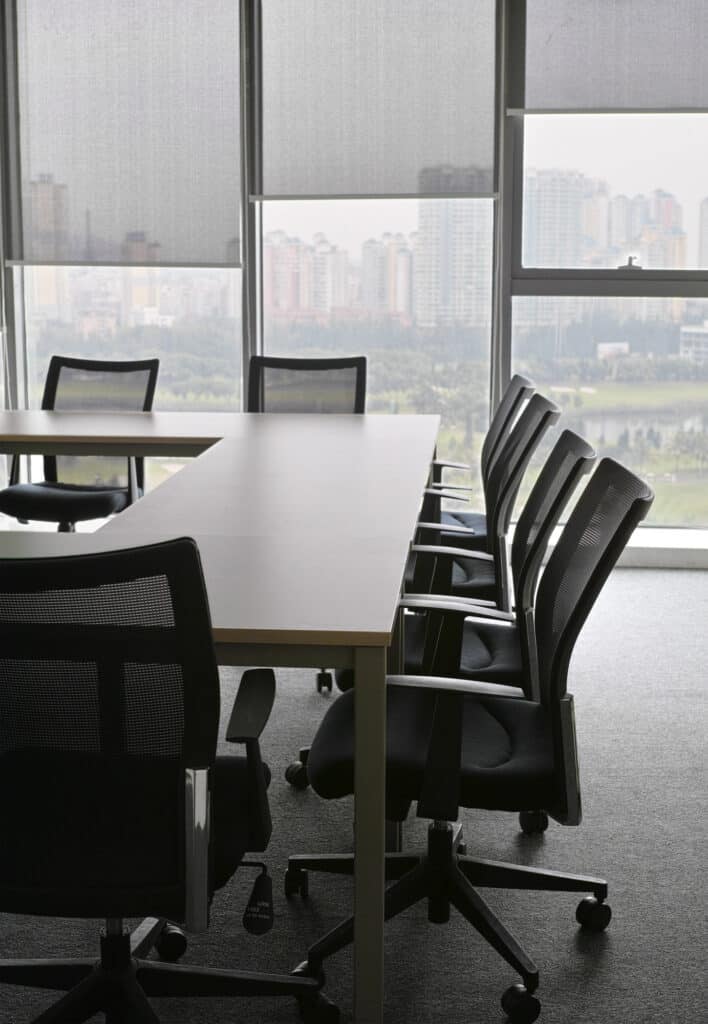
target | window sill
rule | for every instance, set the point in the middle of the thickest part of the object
(653, 547)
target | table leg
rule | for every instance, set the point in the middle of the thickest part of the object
(369, 832)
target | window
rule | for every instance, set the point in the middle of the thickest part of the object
(406, 282)
(609, 295)
(457, 188)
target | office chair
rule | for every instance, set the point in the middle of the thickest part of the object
(279, 384)
(66, 496)
(453, 743)
(335, 385)
(114, 802)
(474, 524)
(483, 573)
(496, 646)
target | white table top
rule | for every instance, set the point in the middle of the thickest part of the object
(303, 522)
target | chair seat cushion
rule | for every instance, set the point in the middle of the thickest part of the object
(57, 503)
(507, 750)
(472, 578)
(236, 820)
(490, 651)
(476, 520)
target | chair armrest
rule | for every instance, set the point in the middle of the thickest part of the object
(432, 603)
(435, 492)
(464, 531)
(477, 605)
(438, 485)
(474, 687)
(444, 550)
(133, 489)
(252, 705)
(444, 464)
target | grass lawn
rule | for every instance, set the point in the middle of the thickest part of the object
(646, 396)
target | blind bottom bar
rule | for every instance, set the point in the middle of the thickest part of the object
(373, 195)
(123, 264)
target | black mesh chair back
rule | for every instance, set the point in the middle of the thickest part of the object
(307, 385)
(570, 457)
(94, 385)
(517, 392)
(431, 575)
(109, 691)
(605, 516)
(505, 477)
(568, 460)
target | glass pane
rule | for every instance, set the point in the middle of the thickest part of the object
(599, 189)
(371, 98)
(190, 319)
(130, 140)
(602, 53)
(406, 283)
(631, 375)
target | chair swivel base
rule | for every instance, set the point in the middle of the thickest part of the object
(444, 877)
(119, 983)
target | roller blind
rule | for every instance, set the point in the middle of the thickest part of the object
(129, 130)
(617, 54)
(363, 97)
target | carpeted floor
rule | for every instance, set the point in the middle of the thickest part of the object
(639, 676)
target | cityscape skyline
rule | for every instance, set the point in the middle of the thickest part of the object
(436, 273)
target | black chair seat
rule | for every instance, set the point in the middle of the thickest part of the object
(477, 521)
(471, 578)
(490, 650)
(235, 816)
(57, 502)
(507, 753)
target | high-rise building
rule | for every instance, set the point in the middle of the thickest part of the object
(553, 218)
(703, 235)
(47, 228)
(452, 263)
(620, 222)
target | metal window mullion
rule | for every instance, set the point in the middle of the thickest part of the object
(251, 183)
(11, 302)
(648, 284)
(511, 46)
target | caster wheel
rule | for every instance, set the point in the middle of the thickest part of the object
(296, 883)
(462, 849)
(324, 682)
(171, 944)
(296, 775)
(593, 915)
(533, 822)
(519, 1005)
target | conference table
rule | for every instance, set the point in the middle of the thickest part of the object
(304, 524)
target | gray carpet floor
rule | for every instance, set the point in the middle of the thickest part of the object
(639, 675)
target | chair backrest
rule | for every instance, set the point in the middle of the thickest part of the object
(97, 385)
(517, 392)
(604, 518)
(109, 692)
(569, 459)
(502, 486)
(277, 384)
